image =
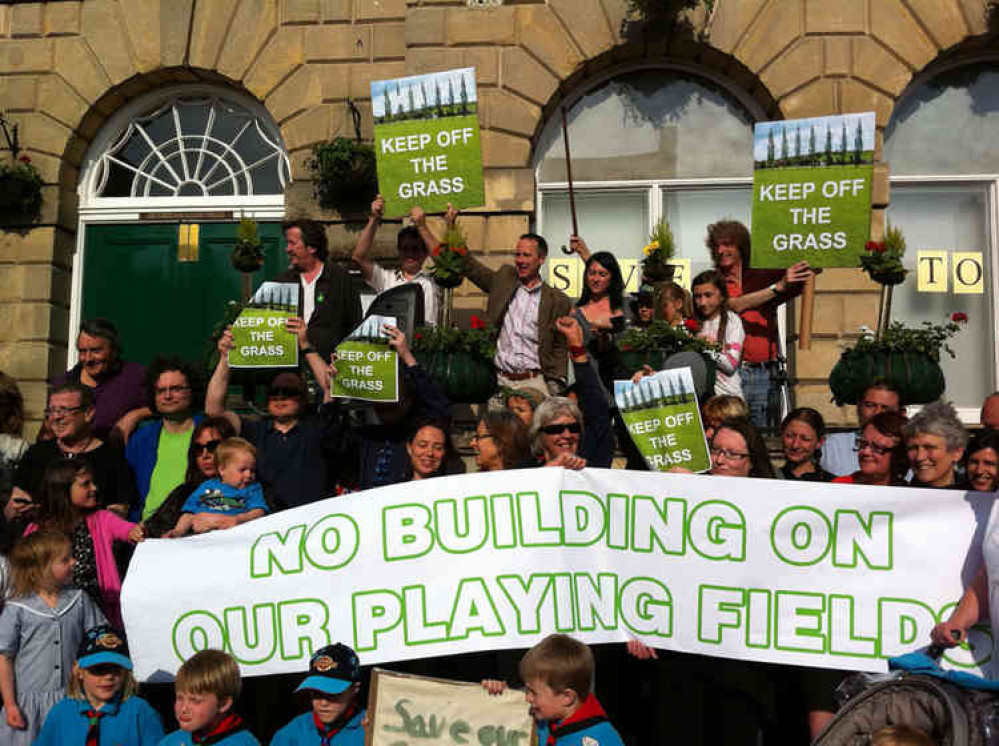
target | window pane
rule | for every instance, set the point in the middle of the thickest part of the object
(949, 218)
(947, 126)
(650, 125)
(690, 212)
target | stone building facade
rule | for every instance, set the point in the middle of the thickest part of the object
(67, 66)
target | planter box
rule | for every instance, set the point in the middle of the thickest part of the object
(466, 379)
(916, 375)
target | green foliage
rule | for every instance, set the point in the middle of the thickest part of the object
(479, 341)
(660, 335)
(345, 175)
(883, 259)
(449, 258)
(660, 15)
(928, 338)
(248, 254)
(20, 192)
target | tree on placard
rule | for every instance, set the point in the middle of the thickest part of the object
(811, 142)
(450, 95)
(412, 100)
(771, 154)
(464, 96)
(797, 143)
(828, 145)
(439, 99)
(783, 144)
(427, 105)
(388, 104)
(858, 144)
(842, 146)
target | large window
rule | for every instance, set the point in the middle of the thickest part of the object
(945, 184)
(647, 145)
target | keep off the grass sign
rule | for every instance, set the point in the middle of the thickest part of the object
(812, 191)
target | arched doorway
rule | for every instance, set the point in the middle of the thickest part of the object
(162, 189)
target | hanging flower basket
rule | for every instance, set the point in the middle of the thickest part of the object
(460, 361)
(345, 175)
(908, 358)
(20, 193)
(247, 255)
(658, 252)
(449, 259)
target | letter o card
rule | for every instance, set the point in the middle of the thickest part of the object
(415, 709)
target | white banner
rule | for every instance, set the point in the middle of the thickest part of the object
(837, 576)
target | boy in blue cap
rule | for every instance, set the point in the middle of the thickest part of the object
(101, 706)
(336, 716)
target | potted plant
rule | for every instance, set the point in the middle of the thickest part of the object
(449, 258)
(20, 192)
(461, 361)
(908, 357)
(658, 252)
(654, 345)
(346, 179)
(247, 254)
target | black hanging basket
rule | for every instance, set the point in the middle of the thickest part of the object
(465, 378)
(916, 375)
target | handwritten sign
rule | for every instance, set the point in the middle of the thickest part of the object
(812, 190)
(427, 141)
(367, 368)
(663, 419)
(259, 335)
(408, 709)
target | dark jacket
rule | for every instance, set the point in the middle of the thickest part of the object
(501, 284)
(337, 311)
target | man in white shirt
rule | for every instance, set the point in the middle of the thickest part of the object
(413, 254)
(839, 452)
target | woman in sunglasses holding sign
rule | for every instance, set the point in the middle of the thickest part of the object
(200, 467)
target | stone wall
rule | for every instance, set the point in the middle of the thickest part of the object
(66, 66)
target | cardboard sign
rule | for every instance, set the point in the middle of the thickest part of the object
(664, 420)
(367, 368)
(259, 334)
(406, 709)
(969, 273)
(812, 191)
(427, 141)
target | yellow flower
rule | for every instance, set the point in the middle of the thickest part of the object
(650, 248)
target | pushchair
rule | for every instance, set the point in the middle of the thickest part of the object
(953, 708)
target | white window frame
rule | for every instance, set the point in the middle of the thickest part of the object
(990, 184)
(94, 209)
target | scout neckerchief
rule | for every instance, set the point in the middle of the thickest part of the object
(589, 713)
(326, 732)
(93, 726)
(231, 723)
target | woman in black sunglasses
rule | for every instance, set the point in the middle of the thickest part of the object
(200, 466)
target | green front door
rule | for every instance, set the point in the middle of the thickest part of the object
(165, 302)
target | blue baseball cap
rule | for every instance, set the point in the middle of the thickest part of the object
(332, 670)
(103, 644)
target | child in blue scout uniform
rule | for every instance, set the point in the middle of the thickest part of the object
(207, 686)
(558, 675)
(101, 707)
(336, 716)
(233, 494)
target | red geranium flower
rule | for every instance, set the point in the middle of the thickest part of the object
(878, 246)
(478, 323)
(693, 325)
(437, 250)
(25, 159)
(417, 335)
(959, 317)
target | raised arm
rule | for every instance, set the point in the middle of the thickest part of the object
(319, 369)
(578, 245)
(788, 286)
(219, 384)
(367, 239)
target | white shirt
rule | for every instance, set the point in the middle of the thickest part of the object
(308, 296)
(839, 454)
(383, 279)
(518, 344)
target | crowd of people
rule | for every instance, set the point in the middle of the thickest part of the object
(130, 452)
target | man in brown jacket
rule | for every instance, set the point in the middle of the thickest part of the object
(530, 352)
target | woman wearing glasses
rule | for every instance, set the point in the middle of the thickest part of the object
(880, 452)
(200, 466)
(501, 441)
(737, 450)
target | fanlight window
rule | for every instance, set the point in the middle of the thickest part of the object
(195, 147)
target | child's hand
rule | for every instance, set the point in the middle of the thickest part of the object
(639, 375)
(640, 650)
(494, 686)
(15, 719)
(137, 534)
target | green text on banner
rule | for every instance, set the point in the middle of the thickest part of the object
(427, 141)
(664, 421)
(812, 191)
(367, 368)
(259, 335)
(826, 575)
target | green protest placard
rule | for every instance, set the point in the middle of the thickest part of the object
(812, 191)
(664, 420)
(367, 368)
(427, 141)
(259, 334)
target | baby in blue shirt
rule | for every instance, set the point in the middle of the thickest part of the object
(233, 494)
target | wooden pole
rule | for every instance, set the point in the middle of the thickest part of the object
(568, 174)
(807, 311)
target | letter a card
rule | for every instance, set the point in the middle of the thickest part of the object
(427, 141)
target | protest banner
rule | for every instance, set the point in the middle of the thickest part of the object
(427, 141)
(405, 708)
(812, 191)
(664, 420)
(260, 339)
(827, 575)
(367, 368)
